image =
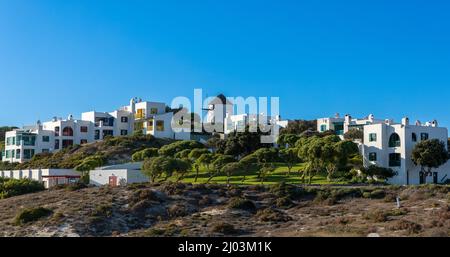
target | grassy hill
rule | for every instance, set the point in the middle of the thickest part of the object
(114, 150)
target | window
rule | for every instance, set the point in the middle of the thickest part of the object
(372, 137)
(150, 125)
(97, 134)
(424, 136)
(107, 132)
(83, 141)
(66, 143)
(83, 129)
(8, 141)
(153, 110)
(140, 114)
(159, 125)
(56, 144)
(394, 160)
(123, 132)
(323, 128)
(373, 157)
(29, 140)
(18, 154)
(67, 132)
(45, 139)
(414, 137)
(13, 154)
(14, 140)
(394, 140)
(28, 153)
(7, 153)
(124, 119)
(57, 131)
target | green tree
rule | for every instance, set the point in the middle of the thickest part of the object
(229, 169)
(220, 160)
(194, 157)
(288, 139)
(289, 157)
(264, 157)
(178, 146)
(144, 154)
(248, 163)
(380, 173)
(354, 134)
(429, 154)
(265, 170)
(89, 164)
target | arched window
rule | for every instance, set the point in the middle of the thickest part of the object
(394, 140)
(67, 131)
(414, 137)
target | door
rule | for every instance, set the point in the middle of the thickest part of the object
(422, 178)
(435, 177)
(113, 181)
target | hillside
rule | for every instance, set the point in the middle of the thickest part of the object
(114, 150)
(215, 210)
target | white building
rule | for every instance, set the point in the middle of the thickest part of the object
(118, 175)
(239, 122)
(49, 177)
(57, 134)
(390, 145)
(341, 125)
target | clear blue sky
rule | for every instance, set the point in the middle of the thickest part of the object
(389, 58)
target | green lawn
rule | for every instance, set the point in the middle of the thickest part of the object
(279, 175)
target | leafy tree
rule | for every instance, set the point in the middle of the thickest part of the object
(288, 139)
(289, 157)
(240, 143)
(178, 146)
(248, 163)
(354, 134)
(182, 166)
(265, 156)
(430, 154)
(157, 166)
(194, 157)
(183, 154)
(380, 173)
(144, 154)
(265, 170)
(220, 160)
(230, 168)
(89, 164)
(206, 161)
(299, 126)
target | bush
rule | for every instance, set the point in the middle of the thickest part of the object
(144, 154)
(284, 202)
(272, 215)
(12, 187)
(30, 215)
(376, 216)
(241, 204)
(409, 226)
(224, 228)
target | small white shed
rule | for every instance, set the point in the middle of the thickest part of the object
(118, 175)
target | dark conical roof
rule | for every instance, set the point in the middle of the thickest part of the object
(220, 99)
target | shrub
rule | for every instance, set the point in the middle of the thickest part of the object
(241, 204)
(284, 202)
(144, 154)
(12, 187)
(224, 228)
(409, 226)
(272, 215)
(177, 210)
(376, 216)
(30, 215)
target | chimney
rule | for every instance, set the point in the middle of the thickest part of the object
(387, 121)
(337, 116)
(347, 118)
(405, 121)
(418, 123)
